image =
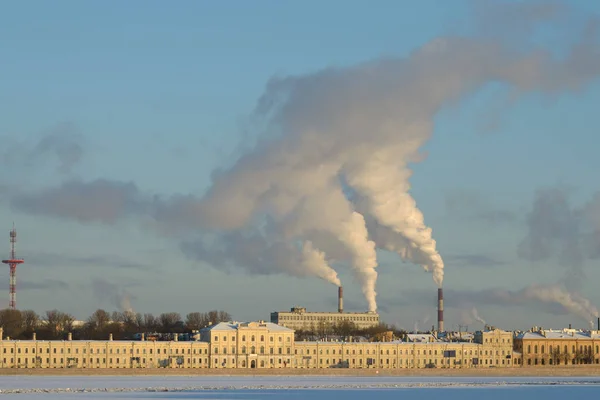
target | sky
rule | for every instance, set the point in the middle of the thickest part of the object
(136, 138)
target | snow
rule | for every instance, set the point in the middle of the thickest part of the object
(281, 387)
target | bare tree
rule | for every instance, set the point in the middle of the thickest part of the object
(216, 316)
(31, 321)
(99, 320)
(224, 316)
(12, 322)
(150, 323)
(168, 321)
(194, 321)
(117, 316)
(57, 322)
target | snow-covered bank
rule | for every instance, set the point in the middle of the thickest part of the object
(60, 385)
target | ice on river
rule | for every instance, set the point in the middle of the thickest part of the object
(296, 387)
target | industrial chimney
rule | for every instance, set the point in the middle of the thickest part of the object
(340, 299)
(440, 310)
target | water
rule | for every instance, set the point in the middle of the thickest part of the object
(314, 388)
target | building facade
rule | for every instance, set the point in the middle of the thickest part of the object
(249, 345)
(300, 319)
(254, 345)
(498, 347)
(558, 347)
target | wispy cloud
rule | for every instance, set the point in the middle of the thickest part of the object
(104, 261)
(63, 144)
(472, 260)
(45, 284)
(101, 200)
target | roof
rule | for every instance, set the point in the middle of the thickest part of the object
(563, 334)
(234, 326)
(221, 326)
(420, 337)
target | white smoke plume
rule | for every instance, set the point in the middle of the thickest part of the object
(572, 302)
(340, 131)
(475, 315)
(314, 260)
(125, 304)
(362, 126)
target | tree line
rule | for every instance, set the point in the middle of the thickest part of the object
(56, 325)
(345, 330)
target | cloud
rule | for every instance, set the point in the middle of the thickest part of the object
(554, 299)
(492, 17)
(45, 284)
(111, 293)
(63, 143)
(359, 127)
(472, 260)
(104, 261)
(97, 201)
(557, 229)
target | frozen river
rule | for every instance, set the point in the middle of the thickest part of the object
(317, 388)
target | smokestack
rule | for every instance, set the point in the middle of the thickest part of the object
(440, 310)
(340, 299)
(599, 323)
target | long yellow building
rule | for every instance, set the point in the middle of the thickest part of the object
(558, 347)
(259, 345)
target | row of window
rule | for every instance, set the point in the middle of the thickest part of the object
(489, 340)
(400, 352)
(252, 338)
(26, 350)
(326, 318)
(565, 349)
(223, 350)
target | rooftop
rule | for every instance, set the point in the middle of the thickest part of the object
(560, 334)
(234, 326)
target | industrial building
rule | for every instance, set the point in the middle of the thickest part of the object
(300, 319)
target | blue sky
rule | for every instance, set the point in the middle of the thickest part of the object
(162, 95)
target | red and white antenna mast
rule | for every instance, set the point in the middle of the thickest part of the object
(12, 262)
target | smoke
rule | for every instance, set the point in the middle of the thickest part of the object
(97, 201)
(330, 133)
(475, 315)
(556, 229)
(107, 291)
(419, 322)
(125, 304)
(260, 257)
(572, 302)
(63, 143)
(555, 299)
